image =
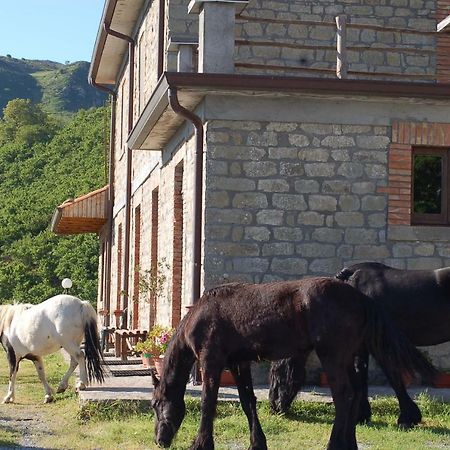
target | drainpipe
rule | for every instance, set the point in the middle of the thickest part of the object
(198, 190)
(126, 256)
(108, 263)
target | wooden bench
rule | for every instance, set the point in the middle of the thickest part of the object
(125, 340)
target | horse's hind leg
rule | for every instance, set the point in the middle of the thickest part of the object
(410, 414)
(64, 383)
(243, 376)
(287, 376)
(13, 368)
(211, 379)
(362, 368)
(344, 390)
(39, 365)
(77, 358)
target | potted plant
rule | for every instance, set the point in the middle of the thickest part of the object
(154, 347)
(441, 379)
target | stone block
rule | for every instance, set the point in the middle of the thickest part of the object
(232, 184)
(278, 249)
(363, 187)
(283, 153)
(291, 169)
(349, 219)
(322, 203)
(424, 249)
(377, 220)
(270, 217)
(316, 250)
(376, 171)
(299, 140)
(374, 203)
(230, 152)
(218, 199)
(307, 186)
(253, 200)
(315, 154)
(260, 234)
(289, 266)
(332, 235)
(232, 216)
(327, 266)
(338, 141)
(351, 170)
(288, 202)
(292, 234)
(423, 263)
(259, 169)
(273, 185)
(371, 252)
(250, 265)
(320, 169)
(264, 139)
(311, 218)
(349, 202)
(336, 187)
(360, 236)
(235, 249)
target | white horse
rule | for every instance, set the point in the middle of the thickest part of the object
(32, 331)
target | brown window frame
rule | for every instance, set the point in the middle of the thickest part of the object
(444, 217)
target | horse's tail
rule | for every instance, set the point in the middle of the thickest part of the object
(390, 347)
(344, 274)
(92, 349)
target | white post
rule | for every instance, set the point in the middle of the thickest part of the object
(217, 20)
(341, 39)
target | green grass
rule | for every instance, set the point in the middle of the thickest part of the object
(129, 425)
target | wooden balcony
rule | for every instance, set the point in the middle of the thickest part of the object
(86, 214)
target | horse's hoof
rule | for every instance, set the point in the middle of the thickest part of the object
(48, 399)
(61, 389)
(80, 387)
(406, 426)
(7, 400)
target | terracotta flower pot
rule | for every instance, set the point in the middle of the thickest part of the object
(324, 379)
(442, 380)
(159, 364)
(226, 378)
(147, 359)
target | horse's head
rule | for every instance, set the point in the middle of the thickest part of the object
(169, 413)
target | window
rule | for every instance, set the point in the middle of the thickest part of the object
(430, 186)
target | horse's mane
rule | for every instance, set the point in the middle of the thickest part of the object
(7, 313)
(224, 289)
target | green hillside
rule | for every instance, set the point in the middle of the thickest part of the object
(42, 163)
(62, 89)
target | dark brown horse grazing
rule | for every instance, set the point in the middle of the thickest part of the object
(234, 324)
(419, 303)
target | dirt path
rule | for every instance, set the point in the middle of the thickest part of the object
(28, 421)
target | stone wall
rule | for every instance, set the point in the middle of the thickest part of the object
(287, 200)
(399, 38)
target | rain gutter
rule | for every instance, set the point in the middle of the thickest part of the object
(129, 160)
(198, 188)
(108, 265)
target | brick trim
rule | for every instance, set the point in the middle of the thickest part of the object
(177, 262)
(154, 252)
(119, 272)
(137, 262)
(405, 135)
(442, 44)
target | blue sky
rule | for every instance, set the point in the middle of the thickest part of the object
(56, 30)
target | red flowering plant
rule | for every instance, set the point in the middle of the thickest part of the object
(157, 341)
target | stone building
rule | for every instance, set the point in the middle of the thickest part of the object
(264, 140)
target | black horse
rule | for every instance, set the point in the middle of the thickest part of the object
(419, 303)
(234, 324)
